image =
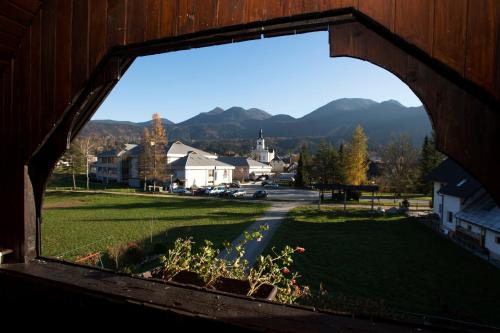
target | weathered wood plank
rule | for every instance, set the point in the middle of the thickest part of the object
(97, 31)
(231, 12)
(414, 21)
(381, 11)
(63, 55)
(116, 28)
(36, 81)
(206, 14)
(450, 33)
(483, 23)
(80, 45)
(168, 19)
(48, 65)
(136, 21)
(186, 16)
(153, 16)
(187, 302)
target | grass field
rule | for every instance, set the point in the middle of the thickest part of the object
(76, 224)
(63, 181)
(394, 261)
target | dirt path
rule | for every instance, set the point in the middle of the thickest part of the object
(273, 217)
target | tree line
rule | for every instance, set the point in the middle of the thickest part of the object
(402, 168)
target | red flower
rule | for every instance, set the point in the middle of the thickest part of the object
(300, 250)
(285, 270)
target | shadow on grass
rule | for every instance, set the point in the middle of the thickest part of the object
(398, 263)
(159, 243)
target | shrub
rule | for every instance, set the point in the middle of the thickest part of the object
(270, 269)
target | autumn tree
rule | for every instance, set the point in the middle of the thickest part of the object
(153, 157)
(400, 171)
(356, 158)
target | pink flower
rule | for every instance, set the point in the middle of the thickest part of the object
(285, 270)
(300, 250)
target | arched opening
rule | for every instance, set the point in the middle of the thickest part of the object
(78, 123)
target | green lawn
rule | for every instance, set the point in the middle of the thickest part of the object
(76, 224)
(63, 181)
(392, 261)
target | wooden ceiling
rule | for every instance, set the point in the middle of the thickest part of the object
(15, 17)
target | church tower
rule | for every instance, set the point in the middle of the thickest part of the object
(260, 153)
(261, 145)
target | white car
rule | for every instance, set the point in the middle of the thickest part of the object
(216, 190)
(237, 193)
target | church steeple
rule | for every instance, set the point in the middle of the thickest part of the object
(260, 134)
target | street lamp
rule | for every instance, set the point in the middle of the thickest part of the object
(153, 144)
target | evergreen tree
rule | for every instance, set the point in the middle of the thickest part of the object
(429, 160)
(356, 158)
(304, 167)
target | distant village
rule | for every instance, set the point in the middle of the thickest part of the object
(191, 167)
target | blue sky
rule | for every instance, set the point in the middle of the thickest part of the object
(292, 75)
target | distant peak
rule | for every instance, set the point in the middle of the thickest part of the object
(392, 101)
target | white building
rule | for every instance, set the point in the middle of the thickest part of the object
(178, 150)
(196, 170)
(467, 212)
(245, 168)
(260, 153)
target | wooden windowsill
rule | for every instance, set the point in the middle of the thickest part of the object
(186, 302)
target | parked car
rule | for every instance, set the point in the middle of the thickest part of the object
(237, 193)
(217, 190)
(260, 195)
(271, 185)
(201, 191)
(181, 190)
(235, 185)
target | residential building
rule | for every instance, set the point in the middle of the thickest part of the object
(196, 170)
(279, 164)
(245, 168)
(466, 211)
(118, 165)
(260, 152)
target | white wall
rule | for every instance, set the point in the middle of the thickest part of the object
(450, 204)
(489, 242)
(196, 177)
(223, 176)
(437, 199)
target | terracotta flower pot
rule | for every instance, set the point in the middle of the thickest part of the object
(233, 286)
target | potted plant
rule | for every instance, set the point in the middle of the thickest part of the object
(270, 278)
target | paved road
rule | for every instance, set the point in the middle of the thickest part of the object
(273, 217)
(283, 193)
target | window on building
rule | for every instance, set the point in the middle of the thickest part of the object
(450, 217)
(497, 239)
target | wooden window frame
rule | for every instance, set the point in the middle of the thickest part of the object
(107, 74)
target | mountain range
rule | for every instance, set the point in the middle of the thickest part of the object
(335, 121)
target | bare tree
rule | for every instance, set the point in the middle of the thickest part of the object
(400, 164)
